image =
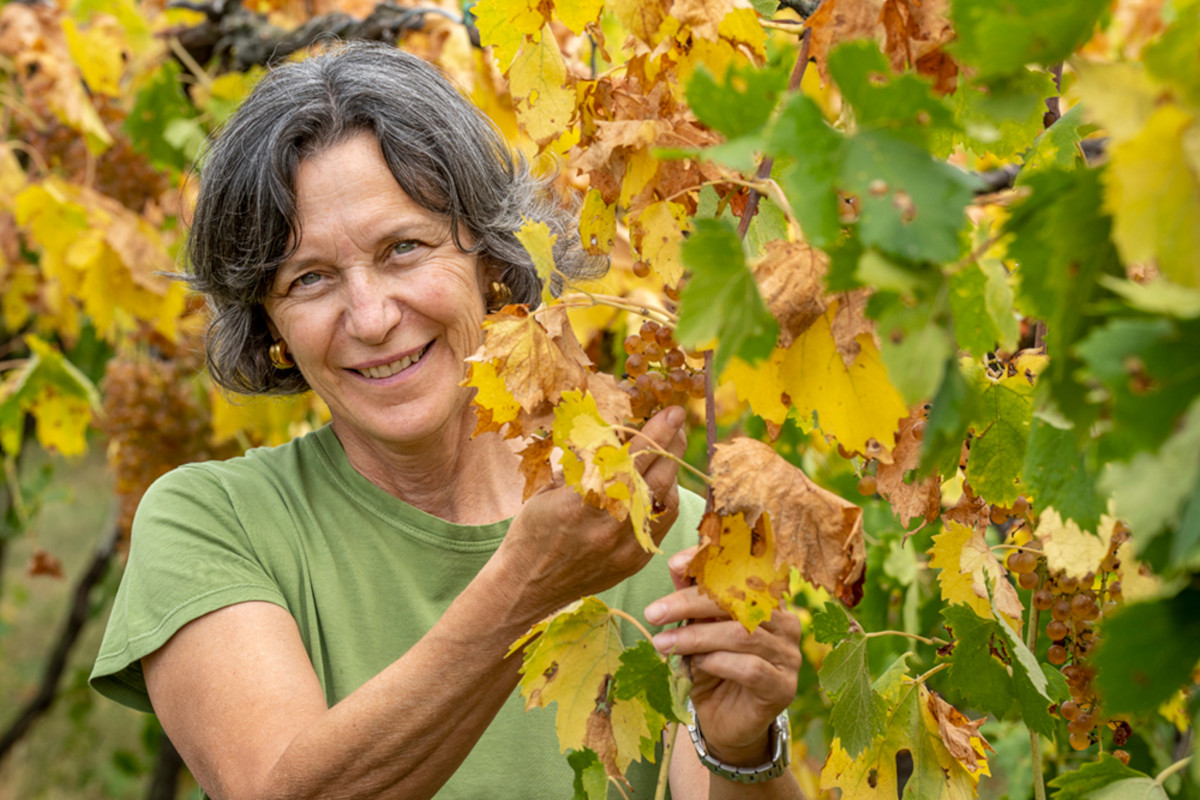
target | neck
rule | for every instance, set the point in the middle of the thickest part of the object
(470, 481)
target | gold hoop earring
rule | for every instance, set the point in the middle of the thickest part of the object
(279, 356)
(498, 296)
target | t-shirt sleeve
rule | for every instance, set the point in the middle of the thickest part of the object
(189, 555)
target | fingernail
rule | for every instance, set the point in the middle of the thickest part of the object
(664, 642)
(676, 416)
(655, 613)
(678, 562)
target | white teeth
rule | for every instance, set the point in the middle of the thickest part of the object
(388, 370)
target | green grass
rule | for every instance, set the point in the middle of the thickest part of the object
(85, 746)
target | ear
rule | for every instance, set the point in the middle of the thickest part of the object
(274, 331)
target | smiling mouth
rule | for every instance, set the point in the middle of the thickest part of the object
(388, 370)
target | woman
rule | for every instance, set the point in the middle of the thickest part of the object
(330, 618)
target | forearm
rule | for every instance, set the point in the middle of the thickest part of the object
(237, 694)
(405, 732)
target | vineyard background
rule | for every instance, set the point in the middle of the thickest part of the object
(950, 256)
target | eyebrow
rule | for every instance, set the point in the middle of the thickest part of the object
(434, 231)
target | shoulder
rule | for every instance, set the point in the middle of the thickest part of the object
(249, 474)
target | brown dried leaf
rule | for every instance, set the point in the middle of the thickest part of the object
(537, 366)
(837, 21)
(909, 32)
(817, 532)
(535, 465)
(850, 320)
(44, 563)
(790, 277)
(909, 500)
(957, 731)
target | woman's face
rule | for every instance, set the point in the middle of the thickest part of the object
(378, 306)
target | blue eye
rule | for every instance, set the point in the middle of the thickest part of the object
(403, 248)
(307, 279)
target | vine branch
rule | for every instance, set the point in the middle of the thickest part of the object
(923, 639)
(1171, 770)
(625, 615)
(72, 626)
(1035, 741)
(582, 299)
(664, 769)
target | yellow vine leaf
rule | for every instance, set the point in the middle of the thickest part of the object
(1067, 547)
(1078, 552)
(735, 566)
(59, 396)
(597, 224)
(62, 421)
(18, 293)
(640, 18)
(98, 53)
(658, 235)
(578, 14)
(599, 466)
(494, 405)
(542, 96)
(640, 170)
(103, 256)
(815, 531)
(572, 663)
(760, 385)
(261, 419)
(947, 752)
(506, 24)
(1154, 195)
(741, 27)
(538, 242)
(968, 569)
(855, 404)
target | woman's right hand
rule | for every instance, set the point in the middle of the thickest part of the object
(559, 548)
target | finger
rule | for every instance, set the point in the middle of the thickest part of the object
(686, 603)
(689, 602)
(774, 684)
(659, 431)
(729, 636)
(679, 564)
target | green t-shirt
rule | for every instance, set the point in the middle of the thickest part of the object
(364, 574)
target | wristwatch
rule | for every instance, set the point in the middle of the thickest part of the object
(760, 774)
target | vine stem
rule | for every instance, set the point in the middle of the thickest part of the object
(906, 634)
(924, 676)
(1020, 547)
(584, 299)
(1171, 770)
(625, 615)
(1035, 741)
(783, 25)
(664, 769)
(658, 451)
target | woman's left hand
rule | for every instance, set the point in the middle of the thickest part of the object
(741, 681)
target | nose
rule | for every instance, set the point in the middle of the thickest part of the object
(370, 311)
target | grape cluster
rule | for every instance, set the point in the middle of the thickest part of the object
(1074, 606)
(156, 419)
(657, 371)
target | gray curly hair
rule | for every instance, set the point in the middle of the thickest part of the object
(443, 152)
